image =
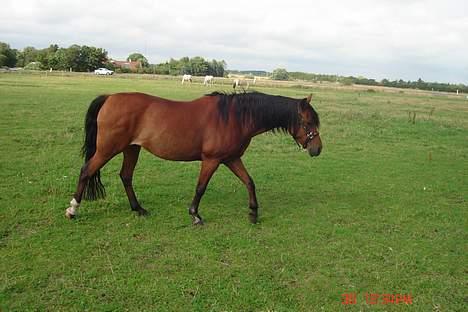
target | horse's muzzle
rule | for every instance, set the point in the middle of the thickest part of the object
(314, 151)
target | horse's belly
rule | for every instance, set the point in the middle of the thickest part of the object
(171, 148)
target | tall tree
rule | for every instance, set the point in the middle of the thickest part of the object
(7, 55)
(59, 60)
(138, 57)
(26, 56)
(185, 67)
(91, 58)
(73, 57)
(199, 66)
(216, 68)
(280, 74)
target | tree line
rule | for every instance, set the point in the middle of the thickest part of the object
(87, 59)
(349, 80)
(75, 58)
(196, 66)
(284, 75)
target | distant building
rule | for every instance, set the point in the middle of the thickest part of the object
(133, 66)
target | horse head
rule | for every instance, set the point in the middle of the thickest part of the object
(306, 133)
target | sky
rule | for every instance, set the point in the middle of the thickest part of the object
(395, 39)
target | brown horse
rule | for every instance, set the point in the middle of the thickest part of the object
(215, 129)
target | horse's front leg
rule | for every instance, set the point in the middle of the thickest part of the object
(237, 167)
(208, 167)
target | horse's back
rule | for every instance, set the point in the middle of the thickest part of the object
(169, 129)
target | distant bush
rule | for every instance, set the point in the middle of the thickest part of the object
(123, 70)
(280, 74)
(346, 81)
(34, 66)
(110, 66)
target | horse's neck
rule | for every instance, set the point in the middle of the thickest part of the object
(256, 130)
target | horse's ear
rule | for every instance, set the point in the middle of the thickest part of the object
(303, 105)
(305, 102)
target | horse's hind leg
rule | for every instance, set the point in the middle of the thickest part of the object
(90, 170)
(126, 174)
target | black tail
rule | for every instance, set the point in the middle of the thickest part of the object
(94, 188)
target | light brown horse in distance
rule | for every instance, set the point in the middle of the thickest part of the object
(214, 129)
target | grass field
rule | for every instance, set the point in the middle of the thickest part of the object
(383, 210)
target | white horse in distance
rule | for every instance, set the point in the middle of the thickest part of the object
(239, 82)
(186, 78)
(208, 80)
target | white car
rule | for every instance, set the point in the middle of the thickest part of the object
(103, 71)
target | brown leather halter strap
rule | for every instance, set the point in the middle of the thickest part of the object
(311, 134)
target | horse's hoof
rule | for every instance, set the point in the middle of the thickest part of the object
(253, 219)
(197, 221)
(142, 212)
(69, 215)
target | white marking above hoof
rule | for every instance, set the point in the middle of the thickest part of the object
(197, 221)
(68, 214)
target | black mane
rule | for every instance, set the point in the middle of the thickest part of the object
(272, 112)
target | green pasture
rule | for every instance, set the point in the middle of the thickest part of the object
(383, 209)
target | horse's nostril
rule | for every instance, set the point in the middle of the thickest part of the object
(319, 150)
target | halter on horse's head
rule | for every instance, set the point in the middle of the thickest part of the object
(307, 134)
